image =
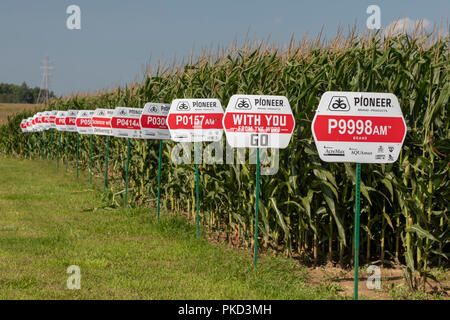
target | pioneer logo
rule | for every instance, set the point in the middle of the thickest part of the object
(183, 106)
(339, 103)
(243, 104)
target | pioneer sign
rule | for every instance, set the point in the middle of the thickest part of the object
(84, 122)
(70, 120)
(60, 120)
(125, 122)
(101, 121)
(254, 121)
(195, 120)
(153, 121)
(361, 127)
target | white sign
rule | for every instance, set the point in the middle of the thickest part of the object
(60, 120)
(101, 121)
(125, 122)
(53, 114)
(256, 121)
(154, 121)
(71, 118)
(84, 122)
(23, 125)
(361, 127)
(46, 120)
(195, 120)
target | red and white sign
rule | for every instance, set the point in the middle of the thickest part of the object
(362, 127)
(23, 125)
(125, 122)
(101, 121)
(53, 114)
(46, 120)
(71, 118)
(154, 121)
(84, 122)
(195, 120)
(256, 121)
(30, 124)
(38, 121)
(60, 120)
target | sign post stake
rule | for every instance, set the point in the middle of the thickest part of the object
(257, 205)
(357, 215)
(29, 146)
(32, 153)
(78, 144)
(90, 160)
(57, 152)
(51, 145)
(126, 174)
(106, 163)
(159, 177)
(67, 152)
(197, 188)
(40, 139)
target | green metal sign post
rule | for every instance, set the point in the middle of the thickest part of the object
(78, 146)
(357, 215)
(67, 152)
(159, 178)
(257, 205)
(106, 163)
(90, 159)
(126, 174)
(57, 151)
(40, 140)
(51, 146)
(197, 188)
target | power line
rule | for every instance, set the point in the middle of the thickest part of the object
(43, 96)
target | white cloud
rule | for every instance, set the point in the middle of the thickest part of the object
(408, 26)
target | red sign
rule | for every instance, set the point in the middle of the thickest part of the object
(259, 122)
(60, 121)
(70, 121)
(153, 122)
(193, 121)
(125, 123)
(100, 122)
(83, 122)
(359, 128)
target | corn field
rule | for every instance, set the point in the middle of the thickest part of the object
(307, 208)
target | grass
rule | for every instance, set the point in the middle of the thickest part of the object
(8, 109)
(49, 221)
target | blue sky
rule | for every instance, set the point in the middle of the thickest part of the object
(117, 38)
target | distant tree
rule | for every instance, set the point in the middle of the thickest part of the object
(11, 93)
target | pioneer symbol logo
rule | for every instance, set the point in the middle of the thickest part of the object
(243, 104)
(122, 112)
(339, 103)
(101, 113)
(153, 109)
(183, 106)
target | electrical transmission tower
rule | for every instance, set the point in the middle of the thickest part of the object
(43, 96)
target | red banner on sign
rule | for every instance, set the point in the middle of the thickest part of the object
(101, 122)
(191, 121)
(83, 122)
(125, 123)
(259, 122)
(70, 121)
(153, 122)
(358, 128)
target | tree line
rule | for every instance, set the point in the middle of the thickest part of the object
(12, 93)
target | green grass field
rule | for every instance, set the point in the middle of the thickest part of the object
(49, 221)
